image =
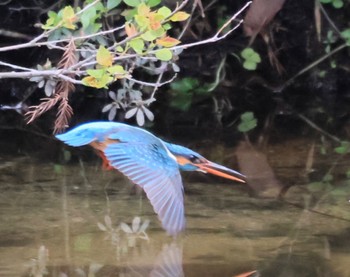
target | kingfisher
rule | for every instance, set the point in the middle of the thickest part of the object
(150, 163)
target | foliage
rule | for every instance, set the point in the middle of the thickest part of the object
(146, 35)
(140, 47)
(335, 3)
(251, 58)
(344, 148)
(185, 90)
(346, 35)
(248, 122)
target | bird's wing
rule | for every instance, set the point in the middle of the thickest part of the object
(150, 167)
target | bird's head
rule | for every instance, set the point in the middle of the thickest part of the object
(195, 162)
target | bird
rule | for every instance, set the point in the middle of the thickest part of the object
(148, 162)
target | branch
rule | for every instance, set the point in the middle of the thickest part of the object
(65, 74)
(157, 84)
(58, 73)
(310, 66)
(34, 42)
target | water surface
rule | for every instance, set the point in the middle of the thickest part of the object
(78, 220)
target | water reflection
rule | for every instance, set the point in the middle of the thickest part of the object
(168, 263)
(79, 221)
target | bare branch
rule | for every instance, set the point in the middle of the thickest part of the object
(157, 84)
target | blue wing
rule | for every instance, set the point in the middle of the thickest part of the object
(145, 160)
(150, 168)
(100, 130)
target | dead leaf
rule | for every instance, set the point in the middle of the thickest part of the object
(259, 15)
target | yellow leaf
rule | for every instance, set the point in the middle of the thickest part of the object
(69, 18)
(143, 9)
(179, 16)
(97, 83)
(90, 81)
(130, 29)
(167, 41)
(104, 57)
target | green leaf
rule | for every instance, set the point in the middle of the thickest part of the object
(255, 58)
(158, 33)
(326, 1)
(116, 69)
(247, 116)
(119, 49)
(88, 17)
(246, 53)
(96, 73)
(346, 35)
(129, 14)
(167, 26)
(248, 122)
(137, 44)
(249, 54)
(52, 21)
(182, 100)
(132, 3)
(148, 36)
(251, 58)
(112, 4)
(184, 84)
(338, 4)
(164, 11)
(164, 54)
(141, 20)
(247, 126)
(343, 148)
(249, 65)
(153, 3)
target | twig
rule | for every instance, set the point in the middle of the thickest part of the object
(330, 21)
(49, 43)
(313, 125)
(13, 34)
(59, 73)
(217, 35)
(310, 66)
(33, 42)
(16, 67)
(152, 84)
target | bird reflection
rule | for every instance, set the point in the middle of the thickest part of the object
(168, 262)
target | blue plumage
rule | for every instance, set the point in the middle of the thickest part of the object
(148, 162)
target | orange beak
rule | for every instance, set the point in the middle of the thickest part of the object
(221, 171)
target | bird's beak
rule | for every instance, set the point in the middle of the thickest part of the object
(222, 171)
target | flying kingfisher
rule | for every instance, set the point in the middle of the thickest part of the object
(149, 162)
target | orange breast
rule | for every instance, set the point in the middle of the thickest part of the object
(100, 146)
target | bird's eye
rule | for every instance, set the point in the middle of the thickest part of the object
(194, 159)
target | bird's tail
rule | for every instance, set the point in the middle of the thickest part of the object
(77, 137)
